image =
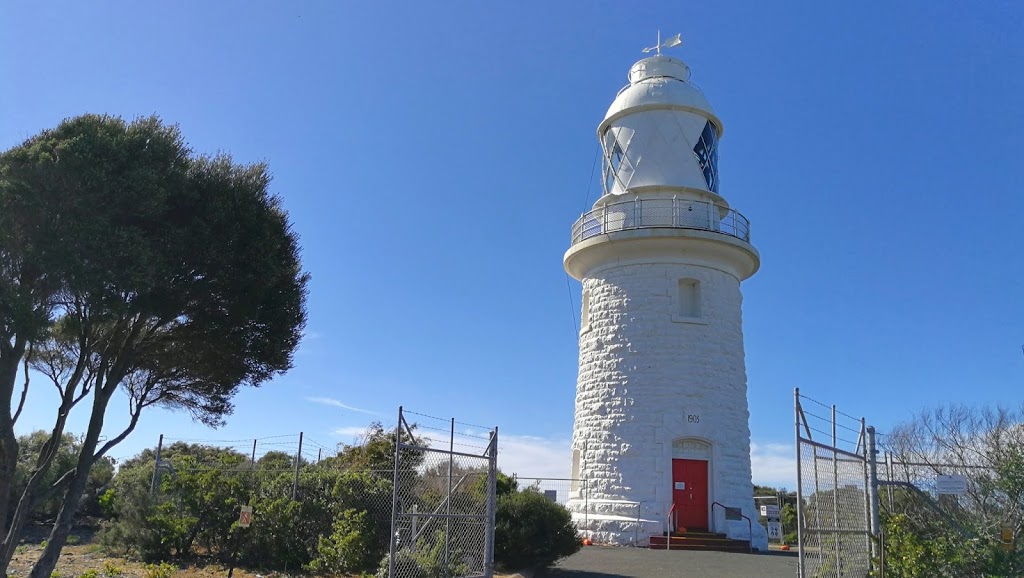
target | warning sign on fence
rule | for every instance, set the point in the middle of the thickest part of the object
(245, 517)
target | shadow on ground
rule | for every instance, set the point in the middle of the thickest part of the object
(609, 562)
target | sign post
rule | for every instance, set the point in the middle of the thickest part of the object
(1006, 537)
(245, 517)
(950, 485)
(771, 513)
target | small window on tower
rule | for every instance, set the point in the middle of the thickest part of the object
(688, 301)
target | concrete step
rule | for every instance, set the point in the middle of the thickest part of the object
(698, 541)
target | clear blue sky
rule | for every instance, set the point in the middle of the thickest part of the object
(433, 156)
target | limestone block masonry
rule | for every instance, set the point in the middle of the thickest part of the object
(649, 377)
(662, 384)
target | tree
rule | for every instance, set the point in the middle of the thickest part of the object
(172, 277)
(986, 446)
(31, 445)
(376, 452)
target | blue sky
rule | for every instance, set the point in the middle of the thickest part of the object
(433, 156)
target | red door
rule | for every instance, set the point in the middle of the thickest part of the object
(690, 493)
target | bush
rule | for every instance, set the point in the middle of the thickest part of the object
(427, 561)
(532, 531)
(160, 570)
(348, 549)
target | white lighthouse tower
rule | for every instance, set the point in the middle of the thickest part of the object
(661, 434)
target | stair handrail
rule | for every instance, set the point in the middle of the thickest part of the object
(670, 519)
(750, 525)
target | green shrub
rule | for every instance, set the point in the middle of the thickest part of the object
(349, 548)
(160, 570)
(532, 531)
(427, 561)
(112, 570)
(89, 574)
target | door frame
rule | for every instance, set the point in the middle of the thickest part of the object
(698, 449)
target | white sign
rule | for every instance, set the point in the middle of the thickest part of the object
(680, 485)
(951, 485)
(245, 517)
(774, 530)
(770, 511)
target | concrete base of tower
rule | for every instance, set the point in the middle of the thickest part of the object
(628, 523)
(759, 539)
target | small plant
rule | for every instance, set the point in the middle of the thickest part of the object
(112, 570)
(42, 544)
(162, 570)
(73, 540)
(89, 574)
(55, 574)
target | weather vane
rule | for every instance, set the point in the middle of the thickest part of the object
(673, 41)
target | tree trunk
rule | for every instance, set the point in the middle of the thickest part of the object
(8, 441)
(47, 561)
(28, 495)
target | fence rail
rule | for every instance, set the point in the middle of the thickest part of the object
(443, 501)
(661, 213)
(833, 492)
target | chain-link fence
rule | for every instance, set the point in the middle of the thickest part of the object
(444, 499)
(833, 506)
(558, 490)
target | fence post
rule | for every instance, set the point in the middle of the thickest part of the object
(867, 486)
(156, 465)
(394, 497)
(586, 505)
(298, 461)
(835, 494)
(252, 460)
(448, 499)
(872, 456)
(492, 480)
(888, 477)
(799, 489)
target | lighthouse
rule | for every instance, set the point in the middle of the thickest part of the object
(661, 439)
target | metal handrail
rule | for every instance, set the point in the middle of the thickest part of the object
(750, 525)
(672, 213)
(671, 525)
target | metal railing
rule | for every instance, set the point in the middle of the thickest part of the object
(750, 524)
(661, 213)
(672, 524)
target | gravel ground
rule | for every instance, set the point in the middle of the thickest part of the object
(604, 562)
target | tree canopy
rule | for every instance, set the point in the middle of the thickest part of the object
(130, 262)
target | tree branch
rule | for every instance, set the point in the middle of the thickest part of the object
(120, 437)
(24, 390)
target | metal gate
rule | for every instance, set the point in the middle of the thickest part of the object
(443, 501)
(834, 508)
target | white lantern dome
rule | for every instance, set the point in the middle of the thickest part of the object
(661, 134)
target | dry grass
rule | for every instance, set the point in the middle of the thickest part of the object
(86, 557)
